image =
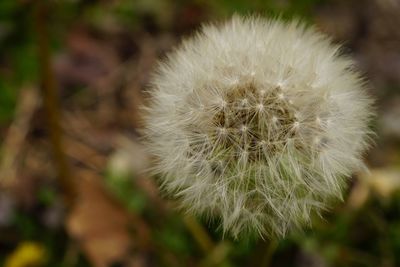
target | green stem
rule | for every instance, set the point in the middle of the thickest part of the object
(199, 234)
(272, 246)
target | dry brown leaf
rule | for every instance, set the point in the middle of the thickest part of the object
(98, 223)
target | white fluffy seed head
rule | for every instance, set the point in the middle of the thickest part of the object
(257, 122)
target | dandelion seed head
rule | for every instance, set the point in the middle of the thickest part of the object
(261, 154)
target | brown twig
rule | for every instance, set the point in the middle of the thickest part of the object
(48, 86)
(15, 139)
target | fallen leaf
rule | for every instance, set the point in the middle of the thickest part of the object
(98, 223)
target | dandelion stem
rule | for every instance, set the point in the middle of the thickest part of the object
(199, 234)
(48, 90)
(270, 250)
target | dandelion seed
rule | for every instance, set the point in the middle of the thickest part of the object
(296, 125)
(317, 140)
(222, 103)
(280, 85)
(234, 81)
(222, 130)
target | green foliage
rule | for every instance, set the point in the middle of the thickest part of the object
(122, 186)
(172, 236)
(7, 101)
(18, 62)
(47, 195)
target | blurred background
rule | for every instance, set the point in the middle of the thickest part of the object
(72, 186)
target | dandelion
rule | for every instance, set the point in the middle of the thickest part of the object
(258, 123)
(27, 254)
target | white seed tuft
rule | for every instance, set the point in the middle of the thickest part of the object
(264, 153)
